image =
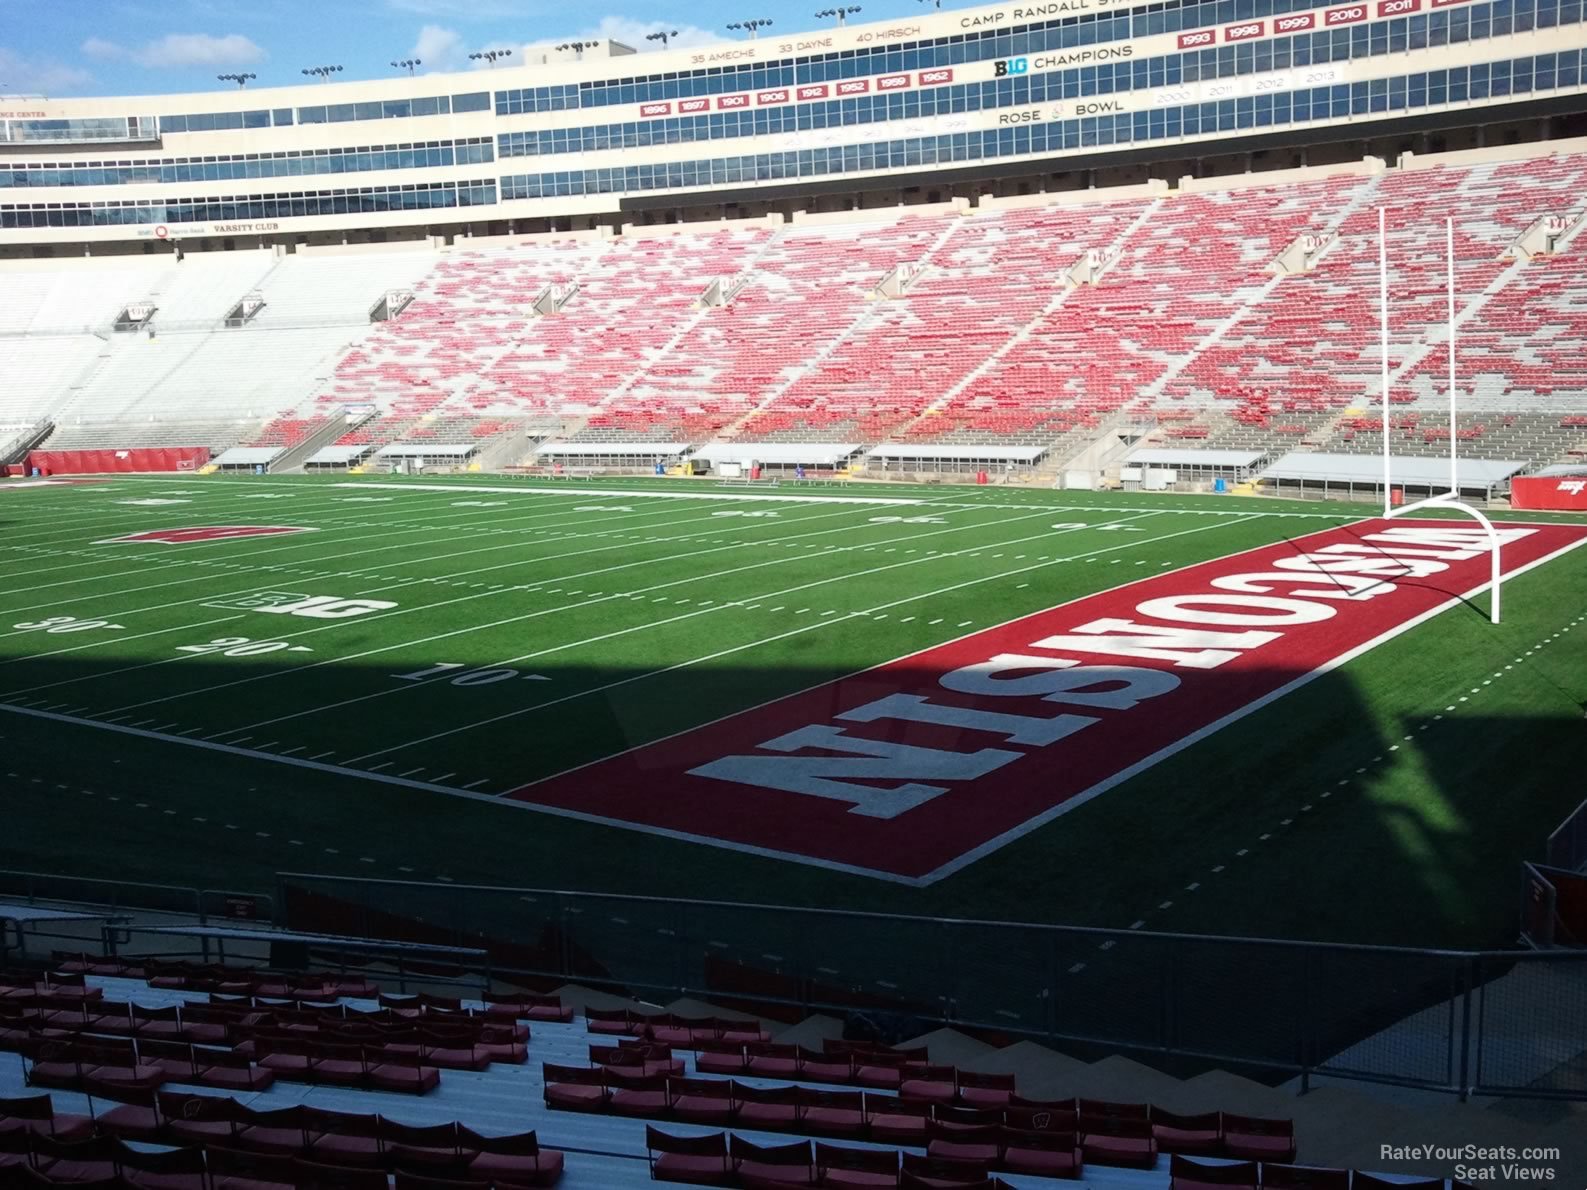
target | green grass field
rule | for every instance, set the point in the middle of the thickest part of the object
(533, 627)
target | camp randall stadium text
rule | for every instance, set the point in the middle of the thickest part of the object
(1032, 12)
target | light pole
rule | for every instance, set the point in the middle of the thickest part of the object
(578, 47)
(240, 79)
(751, 26)
(490, 56)
(842, 14)
(408, 63)
(663, 37)
(323, 73)
(933, 3)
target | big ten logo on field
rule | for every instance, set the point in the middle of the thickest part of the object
(312, 607)
(1006, 66)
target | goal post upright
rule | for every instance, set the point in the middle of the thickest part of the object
(1383, 335)
(1450, 499)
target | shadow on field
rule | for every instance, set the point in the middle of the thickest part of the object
(1319, 816)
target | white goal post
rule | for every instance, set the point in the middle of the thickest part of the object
(1450, 499)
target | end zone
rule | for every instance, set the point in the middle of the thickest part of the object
(913, 769)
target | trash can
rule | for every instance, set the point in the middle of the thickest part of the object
(981, 477)
(1220, 485)
(1396, 497)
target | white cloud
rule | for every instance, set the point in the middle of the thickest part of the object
(631, 32)
(462, 10)
(180, 49)
(28, 76)
(440, 49)
(98, 47)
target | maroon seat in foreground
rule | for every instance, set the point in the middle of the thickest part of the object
(699, 1160)
(772, 1165)
(516, 1160)
(166, 1169)
(1118, 1140)
(37, 1114)
(1040, 1152)
(1187, 1173)
(1200, 1135)
(856, 1169)
(941, 1173)
(575, 1088)
(1253, 1138)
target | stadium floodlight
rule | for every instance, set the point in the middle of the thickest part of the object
(933, 3)
(1450, 499)
(408, 63)
(323, 73)
(751, 26)
(663, 36)
(240, 79)
(490, 56)
(578, 47)
(842, 14)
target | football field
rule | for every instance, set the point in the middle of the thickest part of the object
(501, 681)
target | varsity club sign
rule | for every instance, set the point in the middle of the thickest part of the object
(1559, 493)
(915, 768)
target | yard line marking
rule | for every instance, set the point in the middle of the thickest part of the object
(185, 564)
(111, 640)
(841, 577)
(433, 786)
(426, 607)
(815, 626)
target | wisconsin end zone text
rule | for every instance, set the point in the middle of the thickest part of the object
(910, 770)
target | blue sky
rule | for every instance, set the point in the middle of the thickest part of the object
(122, 47)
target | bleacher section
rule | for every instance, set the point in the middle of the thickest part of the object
(181, 1076)
(1181, 321)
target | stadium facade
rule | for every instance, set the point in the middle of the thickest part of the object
(1012, 98)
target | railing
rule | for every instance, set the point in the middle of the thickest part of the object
(201, 904)
(11, 447)
(1463, 1022)
(1440, 1020)
(1567, 846)
(164, 326)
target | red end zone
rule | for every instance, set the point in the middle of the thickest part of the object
(912, 769)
